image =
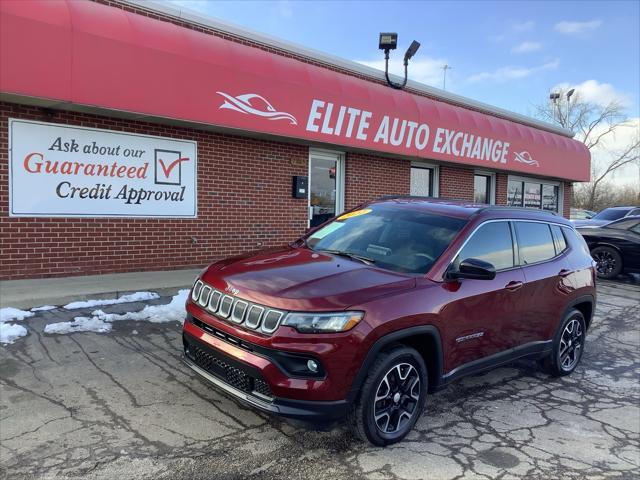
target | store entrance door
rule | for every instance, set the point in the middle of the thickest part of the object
(326, 186)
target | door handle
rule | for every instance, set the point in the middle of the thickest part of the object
(513, 285)
(564, 273)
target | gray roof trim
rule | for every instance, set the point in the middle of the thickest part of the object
(205, 21)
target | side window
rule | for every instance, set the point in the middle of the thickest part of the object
(558, 239)
(492, 243)
(535, 242)
(635, 228)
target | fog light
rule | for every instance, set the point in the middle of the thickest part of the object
(312, 365)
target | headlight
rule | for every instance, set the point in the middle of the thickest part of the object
(323, 322)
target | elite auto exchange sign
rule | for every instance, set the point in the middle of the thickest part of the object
(68, 171)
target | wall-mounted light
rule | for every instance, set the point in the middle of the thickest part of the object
(389, 41)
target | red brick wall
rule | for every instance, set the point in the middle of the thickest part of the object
(456, 183)
(502, 181)
(371, 176)
(239, 209)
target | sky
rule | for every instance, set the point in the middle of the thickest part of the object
(506, 53)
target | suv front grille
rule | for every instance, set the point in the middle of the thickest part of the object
(217, 365)
(236, 310)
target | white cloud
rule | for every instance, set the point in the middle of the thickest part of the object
(523, 27)
(504, 74)
(421, 69)
(284, 9)
(572, 28)
(595, 92)
(526, 47)
(614, 144)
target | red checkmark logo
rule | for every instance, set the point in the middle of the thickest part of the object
(167, 168)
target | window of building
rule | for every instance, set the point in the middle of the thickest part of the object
(535, 242)
(482, 191)
(533, 194)
(423, 181)
(492, 243)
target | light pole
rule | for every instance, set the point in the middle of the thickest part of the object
(554, 97)
(445, 67)
(569, 93)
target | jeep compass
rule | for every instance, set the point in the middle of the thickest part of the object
(364, 316)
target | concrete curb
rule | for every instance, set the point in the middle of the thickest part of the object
(60, 291)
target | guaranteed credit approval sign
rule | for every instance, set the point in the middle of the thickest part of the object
(67, 171)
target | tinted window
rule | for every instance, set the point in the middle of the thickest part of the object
(492, 243)
(393, 237)
(535, 242)
(611, 214)
(558, 238)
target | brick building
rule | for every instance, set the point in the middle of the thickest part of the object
(134, 136)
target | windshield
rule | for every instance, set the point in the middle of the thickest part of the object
(611, 214)
(393, 238)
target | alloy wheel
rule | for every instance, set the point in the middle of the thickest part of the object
(605, 262)
(396, 398)
(571, 345)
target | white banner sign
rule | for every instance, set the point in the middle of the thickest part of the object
(66, 171)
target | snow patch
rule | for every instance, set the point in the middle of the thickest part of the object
(171, 312)
(9, 313)
(79, 324)
(132, 297)
(100, 321)
(43, 308)
(10, 332)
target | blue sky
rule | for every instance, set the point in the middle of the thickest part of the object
(506, 53)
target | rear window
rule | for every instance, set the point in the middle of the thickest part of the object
(391, 237)
(535, 242)
(611, 214)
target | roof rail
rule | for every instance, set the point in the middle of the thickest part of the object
(515, 209)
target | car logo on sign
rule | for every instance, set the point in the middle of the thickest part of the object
(254, 104)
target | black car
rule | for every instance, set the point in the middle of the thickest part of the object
(607, 215)
(615, 247)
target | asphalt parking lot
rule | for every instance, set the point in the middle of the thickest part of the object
(122, 405)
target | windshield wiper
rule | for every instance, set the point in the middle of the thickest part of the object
(353, 256)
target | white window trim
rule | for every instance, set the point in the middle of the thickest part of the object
(560, 185)
(436, 175)
(340, 174)
(492, 184)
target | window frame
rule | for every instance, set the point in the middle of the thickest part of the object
(516, 243)
(491, 184)
(435, 176)
(541, 182)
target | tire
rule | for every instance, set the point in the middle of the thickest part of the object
(608, 262)
(398, 378)
(568, 345)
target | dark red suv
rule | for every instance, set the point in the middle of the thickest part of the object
(365, 315)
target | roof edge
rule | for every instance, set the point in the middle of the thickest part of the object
(197, 19)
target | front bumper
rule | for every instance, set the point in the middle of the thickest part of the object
(245, 382)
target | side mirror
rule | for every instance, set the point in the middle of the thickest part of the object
(474, 269)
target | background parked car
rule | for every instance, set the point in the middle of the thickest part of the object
(615, 247)
(581, 214)
(608, 215)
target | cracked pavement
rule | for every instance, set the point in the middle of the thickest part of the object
(122, 405)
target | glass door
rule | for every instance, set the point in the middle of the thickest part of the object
(325, 187)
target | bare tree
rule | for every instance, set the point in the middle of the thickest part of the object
(593, 125)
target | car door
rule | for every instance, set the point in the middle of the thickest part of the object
(547, 280)
(479, 315)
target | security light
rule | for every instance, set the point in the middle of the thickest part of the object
(554, 97)
(388, 41)
(411, 51)
(569, 93)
